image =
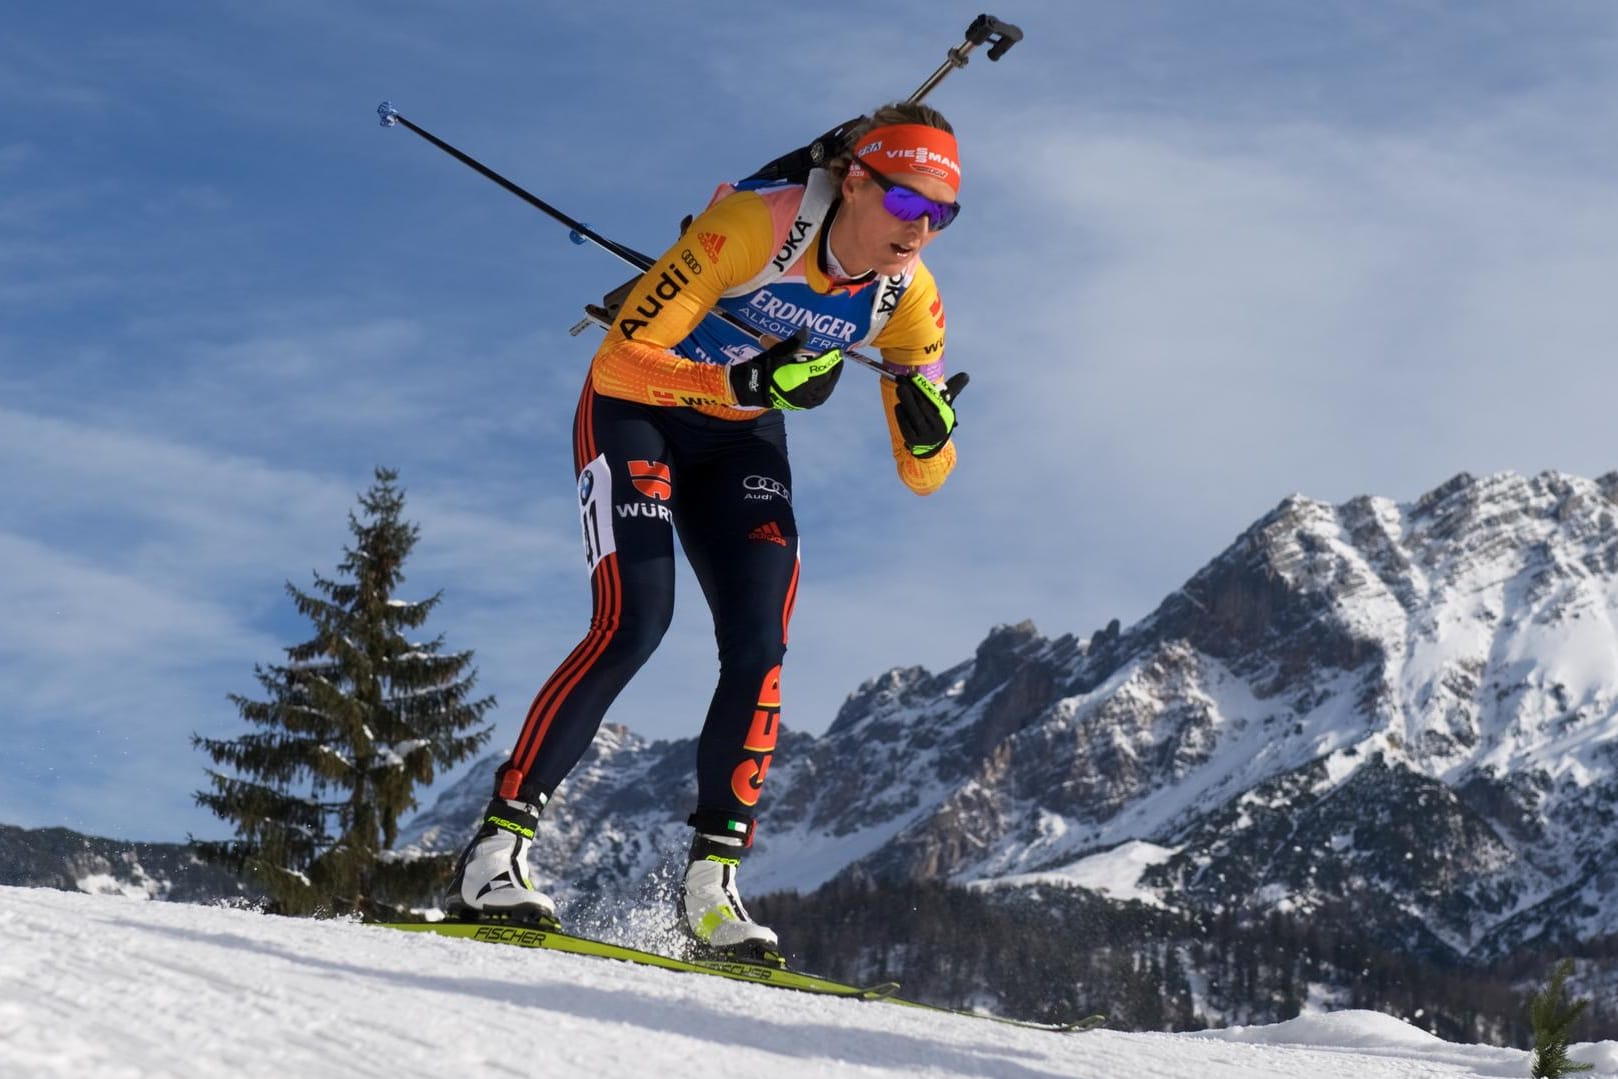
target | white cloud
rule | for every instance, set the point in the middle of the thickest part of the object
(1204, 320)
(148, 581)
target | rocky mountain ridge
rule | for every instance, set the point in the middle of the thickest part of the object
(1402, 712)
(1402, 716)
(71, 861)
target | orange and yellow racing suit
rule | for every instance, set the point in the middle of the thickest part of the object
(661, 448)
(662, 351)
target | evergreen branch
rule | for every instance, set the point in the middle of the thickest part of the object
(1553, 1017)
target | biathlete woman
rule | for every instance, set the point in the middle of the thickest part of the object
(680, 429)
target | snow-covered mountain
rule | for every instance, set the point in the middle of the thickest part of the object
(59, 858)
(1406, 713)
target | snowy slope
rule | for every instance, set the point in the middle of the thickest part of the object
(96, 986)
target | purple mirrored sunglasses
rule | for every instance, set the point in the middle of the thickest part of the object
(907, 204)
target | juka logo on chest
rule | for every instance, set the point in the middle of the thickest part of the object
(668, 285)
(789, 249)
(892, 289)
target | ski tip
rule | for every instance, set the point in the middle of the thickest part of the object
(388, 114)
(879, 991)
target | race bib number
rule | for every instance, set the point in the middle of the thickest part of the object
(595, 511)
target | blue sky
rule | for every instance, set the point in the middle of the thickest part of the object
(1211, 255)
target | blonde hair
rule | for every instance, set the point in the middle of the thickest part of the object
(901, 112)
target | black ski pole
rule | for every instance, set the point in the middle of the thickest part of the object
(580, 231)
(984, 30)
(391, 117)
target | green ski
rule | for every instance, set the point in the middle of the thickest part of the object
(528, 937)
(523, 936)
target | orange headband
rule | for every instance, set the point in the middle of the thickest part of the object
(917, 148)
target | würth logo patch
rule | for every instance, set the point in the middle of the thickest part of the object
(651, 478)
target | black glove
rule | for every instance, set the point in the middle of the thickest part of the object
(926, 418)
(782, 377)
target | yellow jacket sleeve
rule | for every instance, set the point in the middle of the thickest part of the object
(913, 340)
(724, 246)
(923, 475)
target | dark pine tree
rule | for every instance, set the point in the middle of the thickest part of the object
(350, 724)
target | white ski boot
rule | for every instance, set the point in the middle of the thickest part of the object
(711, 909)
(491, 881)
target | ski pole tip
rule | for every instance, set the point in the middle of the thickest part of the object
(388, 114)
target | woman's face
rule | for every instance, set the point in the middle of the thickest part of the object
(878, 240)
